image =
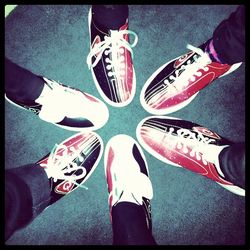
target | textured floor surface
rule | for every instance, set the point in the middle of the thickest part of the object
(187, 209)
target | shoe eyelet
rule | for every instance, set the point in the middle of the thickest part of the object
(185, 150)
(199, 74)
(80, 158)
(192, 79)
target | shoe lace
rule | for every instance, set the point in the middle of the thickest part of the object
(114, 44)
(185, 73)
(186, 139)
(189, 71)
(60, 164)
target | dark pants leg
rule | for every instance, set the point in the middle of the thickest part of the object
(21, 84)
(129, 225)
(109, 16)
(229, 37)
(232, 163)
(27, 193)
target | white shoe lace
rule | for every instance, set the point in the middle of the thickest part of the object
(198, 143)
(112, 44)
(184, 74)
(60, 162)
(189, 71)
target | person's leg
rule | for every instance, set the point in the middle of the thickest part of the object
(130, 226)
(53, 102)
(27, 193)
(229, 38)
(130, 191)
(20, 84)
(232, 163)
(110, 16)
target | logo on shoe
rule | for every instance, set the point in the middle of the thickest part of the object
(207, 132)
(64, 187)
(182, 59)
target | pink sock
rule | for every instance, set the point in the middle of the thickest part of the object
(210, 49)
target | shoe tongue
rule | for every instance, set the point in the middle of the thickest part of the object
(141, 187)
(137, 184)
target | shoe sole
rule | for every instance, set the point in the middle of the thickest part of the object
(234, 189)
(178, 106)
(105, 98)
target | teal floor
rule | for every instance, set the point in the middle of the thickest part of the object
(187, 209)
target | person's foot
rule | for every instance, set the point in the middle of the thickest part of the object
(110, 61)
(185, 144)
(176, 83)
(66, 107)
(127, 174)
(72, 162)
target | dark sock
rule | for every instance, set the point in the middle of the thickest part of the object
(129, 225)
(109, 16)
(232, 164)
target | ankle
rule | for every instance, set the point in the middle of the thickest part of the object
(210, 50)
(109, 16)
